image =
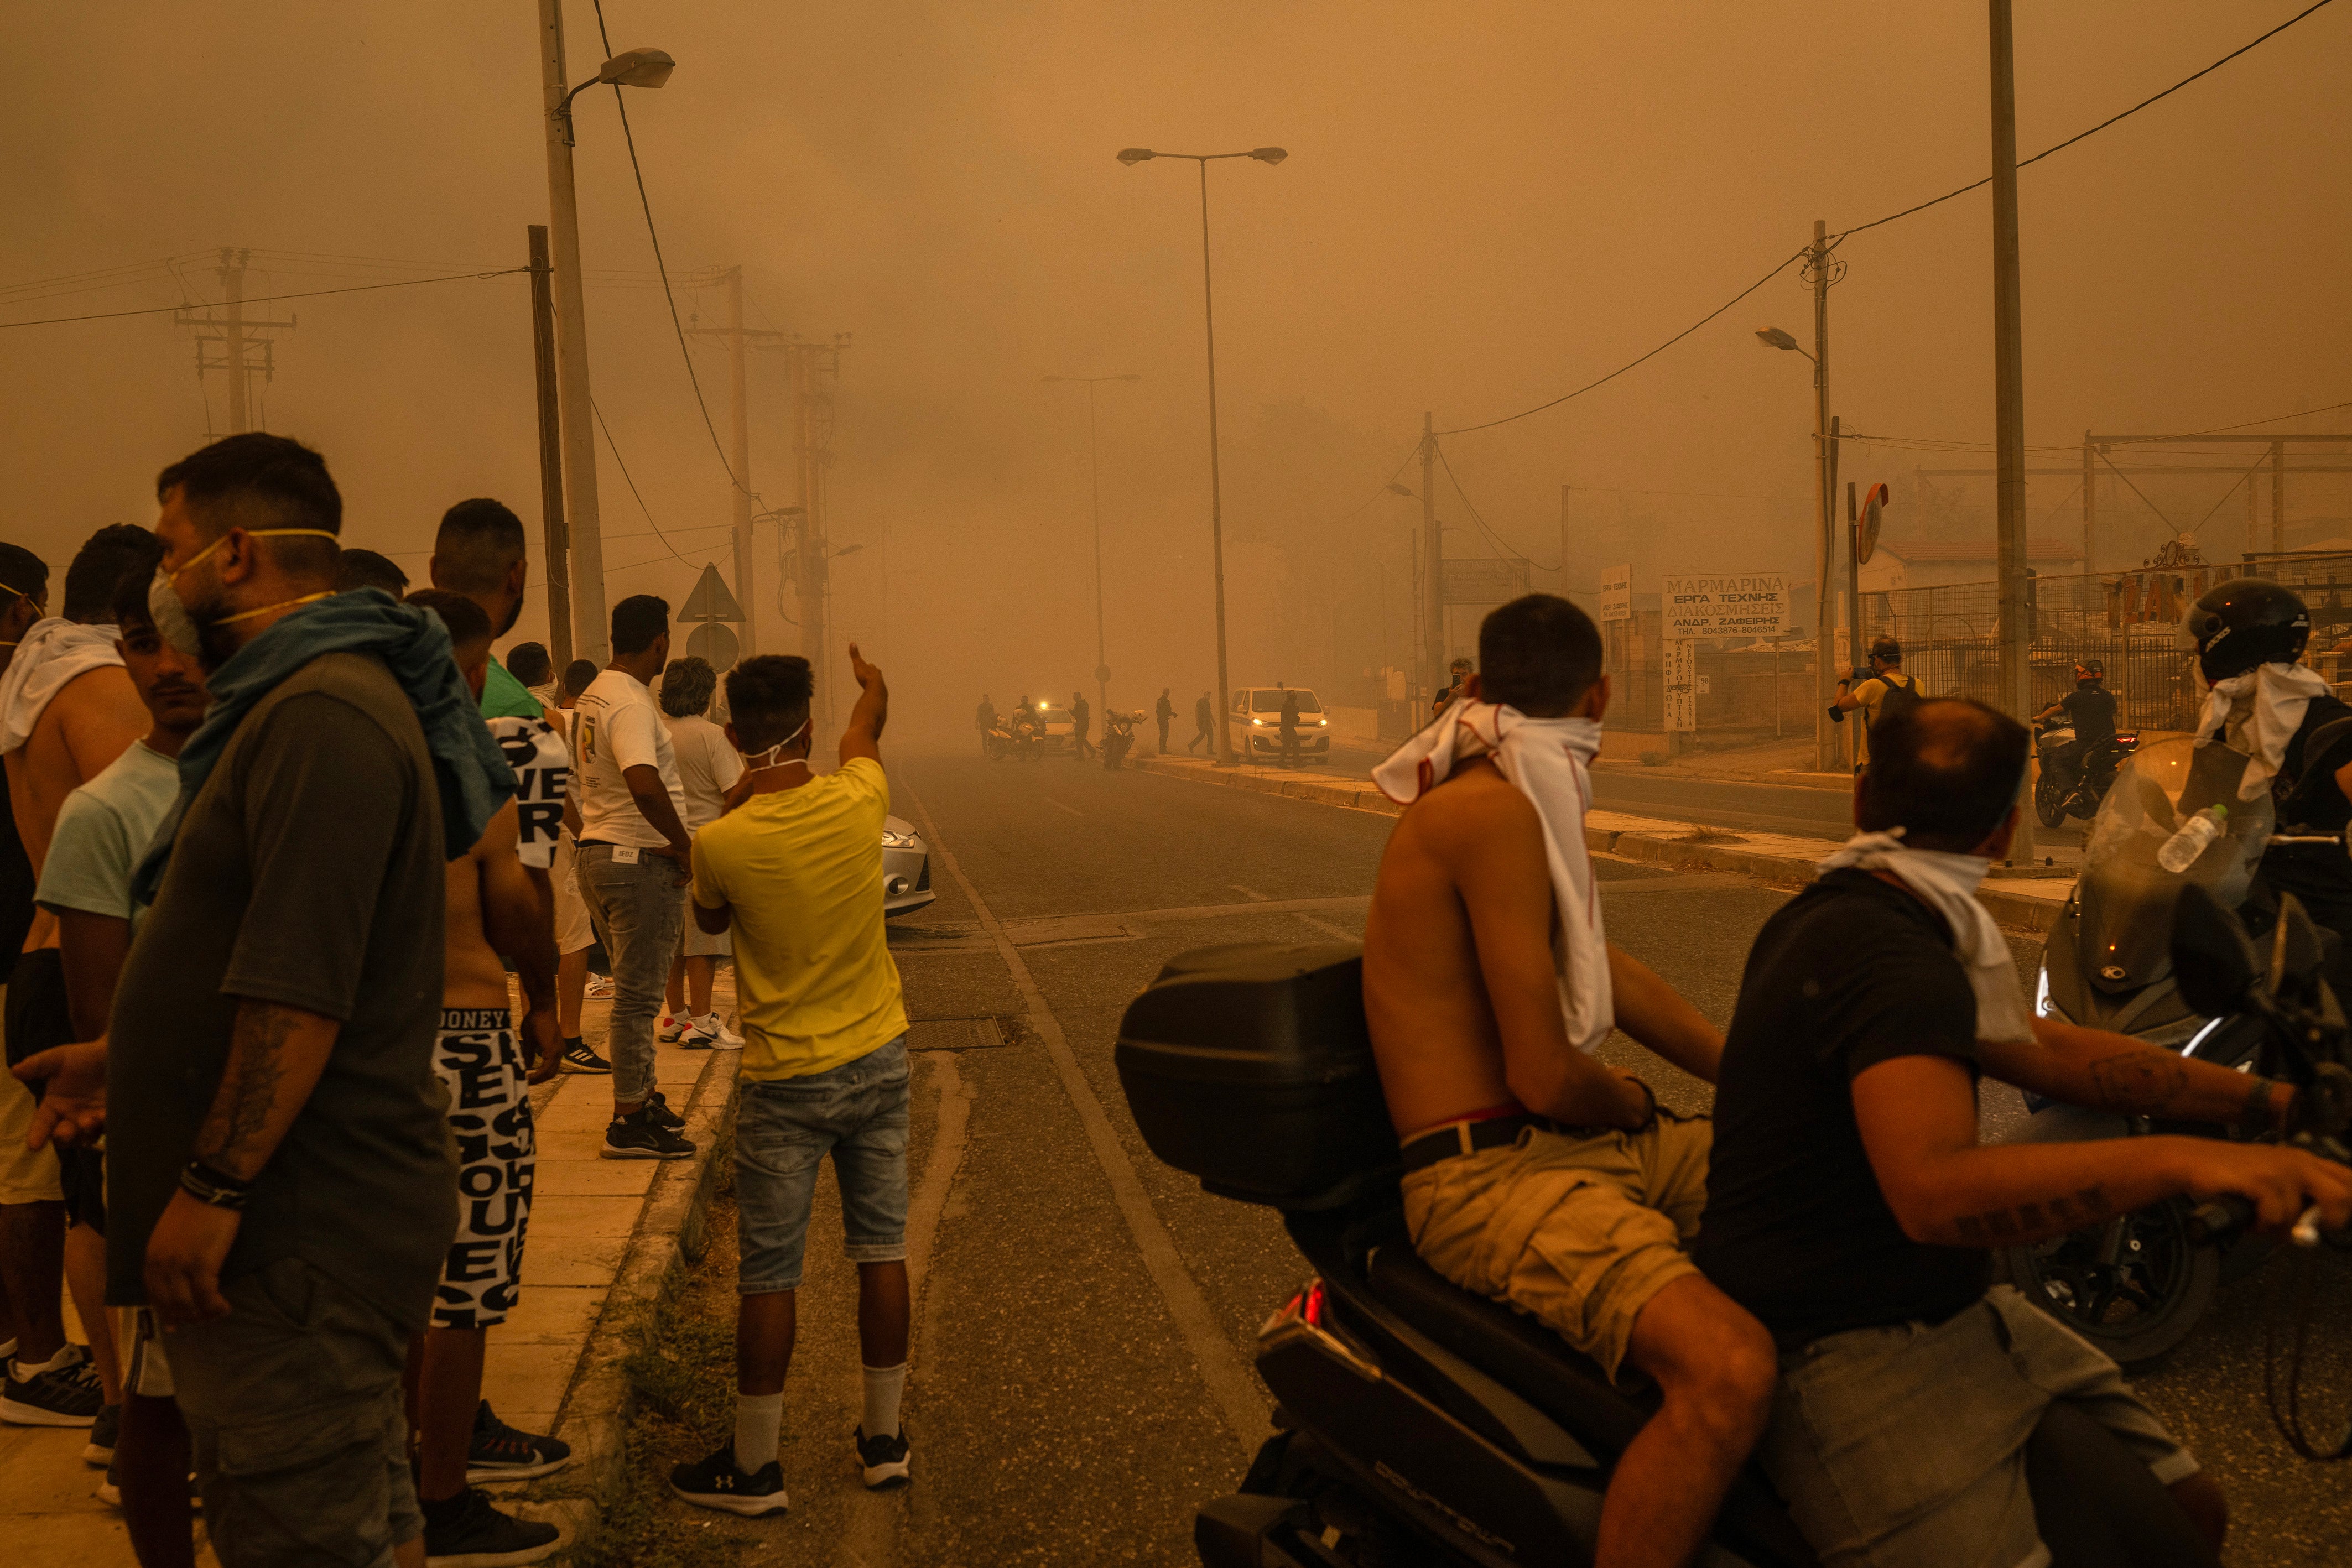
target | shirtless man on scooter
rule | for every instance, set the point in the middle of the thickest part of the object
(1535, 1174)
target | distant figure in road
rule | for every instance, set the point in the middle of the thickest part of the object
(1205, 715)
(1080, 717)
(984, 720)
(1290, 729)
(1166, 712)
(793, 868)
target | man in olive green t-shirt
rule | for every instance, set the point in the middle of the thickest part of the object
(794, 867)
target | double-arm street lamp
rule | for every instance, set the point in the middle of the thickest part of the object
(584, 542)
(1093, 470)
(1268, 155)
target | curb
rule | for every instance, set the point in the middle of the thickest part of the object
(671, 1233)
(1663, 843)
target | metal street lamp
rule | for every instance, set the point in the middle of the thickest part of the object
(634, 67)
(1267, 155)
(1826, 749)
(1094, 469)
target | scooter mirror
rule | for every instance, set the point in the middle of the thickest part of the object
(2214, 962)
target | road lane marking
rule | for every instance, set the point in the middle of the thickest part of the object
(1221, 1368)
(1251, 893)
(1073, 811)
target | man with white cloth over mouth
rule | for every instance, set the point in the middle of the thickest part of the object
(1536, 1176)
(1851, 1208)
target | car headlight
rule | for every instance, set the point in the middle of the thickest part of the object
(892, 839)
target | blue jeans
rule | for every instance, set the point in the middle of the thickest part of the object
(783, 1127)
(638, 913)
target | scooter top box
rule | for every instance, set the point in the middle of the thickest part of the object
(1250, 1066)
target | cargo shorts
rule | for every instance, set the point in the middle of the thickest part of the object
(1578, 1230)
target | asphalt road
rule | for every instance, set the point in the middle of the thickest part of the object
(1082, 1375)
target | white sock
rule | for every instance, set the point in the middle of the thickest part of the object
(758, 1421)
(883, 1386)
(25, 1370)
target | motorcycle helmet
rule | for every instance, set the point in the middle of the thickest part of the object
(2243, 623)
(2093, 672)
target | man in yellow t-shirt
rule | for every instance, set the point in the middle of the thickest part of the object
(1871, 695)
(794, 866)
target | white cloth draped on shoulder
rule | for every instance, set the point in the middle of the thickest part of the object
(1948, 884)
(2257, 711)
(1546, 760)
(53, 652)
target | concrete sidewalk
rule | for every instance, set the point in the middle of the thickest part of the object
(607, 1239)
(2029, 902)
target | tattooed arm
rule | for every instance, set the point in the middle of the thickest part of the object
(1917, 1115)
(276, 1055)
(2114, 1073)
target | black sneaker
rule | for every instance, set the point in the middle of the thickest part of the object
(109, 1490)
(66, 1395)
(581, 1056)
(98, 1452)
(716, 1483)
(637, 1136)
(482, 1537)
(886, 1460)
(659, 1108)
(501, 1453)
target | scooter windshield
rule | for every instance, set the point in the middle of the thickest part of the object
(2126, 898)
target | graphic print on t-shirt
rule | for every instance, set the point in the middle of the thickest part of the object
(542, 772)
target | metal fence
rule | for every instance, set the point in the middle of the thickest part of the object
(2127, 620)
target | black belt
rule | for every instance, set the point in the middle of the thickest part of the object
(1469, 1137)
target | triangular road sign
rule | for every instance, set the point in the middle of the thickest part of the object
(710, 601)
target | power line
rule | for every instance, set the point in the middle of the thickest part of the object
(1891, 217)
(1472, 506)
(2111, 119)
(614, 447)
(1376, 495)
(267, 298)
(669, 295)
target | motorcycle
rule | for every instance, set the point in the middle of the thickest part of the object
(2062, 788)
(1118, 737)
(2135, 1285)
(1015, 740)
(1417, 1423)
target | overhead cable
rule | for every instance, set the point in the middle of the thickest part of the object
(614, 447)
(267, 298)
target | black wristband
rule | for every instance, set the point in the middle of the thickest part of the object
(215, 1187)
(2256, 1118)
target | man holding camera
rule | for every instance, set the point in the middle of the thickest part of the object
(1885, 689)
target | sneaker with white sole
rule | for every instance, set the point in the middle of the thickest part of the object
(482, 1537)
(884, 1460)
(98, 1452)
(715, 1482)
(669, 1030)
(637, 1136)
(63, 1392)
(581, 1056)
(502, 1453)
(600, 989)
(708, 1033)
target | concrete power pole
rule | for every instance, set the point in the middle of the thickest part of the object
(811, 364)
(232, 277)
(1828, 754)
(740, 340)
(238, 335)
(1433, 548)
(592, 633)
(2009, 402)
(558, 567)
(2278, 497)
(2090, 501)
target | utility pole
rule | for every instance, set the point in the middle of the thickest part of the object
(2009, 400)
(592, 634)
(558, 568)
(740, 340)
(1827, 753)
(810, 364)
(2278, 497)
(237, 334)
(1432, 546)
(2090, 501)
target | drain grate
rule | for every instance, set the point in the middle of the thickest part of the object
(953, 1034)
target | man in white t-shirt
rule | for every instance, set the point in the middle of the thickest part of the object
(632, 866)
(708, 766)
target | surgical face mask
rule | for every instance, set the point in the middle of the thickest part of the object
(178, 626)
(761, 761)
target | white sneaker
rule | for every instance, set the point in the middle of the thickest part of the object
(709, 1031)
(599, 988)
(669, 1030)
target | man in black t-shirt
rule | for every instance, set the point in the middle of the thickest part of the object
(2090, 710)
(1852, 1209)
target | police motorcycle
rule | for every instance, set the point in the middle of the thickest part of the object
(1415, 1422)
(2171, 826)
(1118, 736)
(2061, 790)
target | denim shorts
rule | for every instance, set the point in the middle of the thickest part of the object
(783, 1128)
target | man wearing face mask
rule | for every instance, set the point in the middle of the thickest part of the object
(482, 552)
(2298, 736)
(281, 1185)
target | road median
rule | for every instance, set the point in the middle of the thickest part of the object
(1783, 860)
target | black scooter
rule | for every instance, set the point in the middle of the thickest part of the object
(1416, 1423)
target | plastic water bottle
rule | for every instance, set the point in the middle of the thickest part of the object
(2191, 839)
